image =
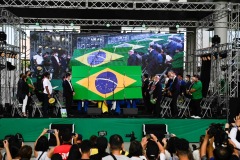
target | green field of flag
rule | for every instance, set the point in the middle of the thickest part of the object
(107, 83)
(100, 57)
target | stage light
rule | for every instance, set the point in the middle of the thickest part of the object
(59, 48)
(216, 40)
(3, 36)
(215, 55)
(108, 25)
(39, 46)
(46, 47)
(223, 54)
(177, 26)
(224, 67)
(143, 25)
(37, 24)
(72, 24)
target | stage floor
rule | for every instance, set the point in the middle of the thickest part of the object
(190, 129)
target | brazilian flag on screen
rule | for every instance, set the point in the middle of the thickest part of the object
(100, 57)
(107, 83)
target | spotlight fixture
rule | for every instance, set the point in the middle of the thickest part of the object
(215, 55)
(108, 25)
(143, 25)
(216, 39)
(37, 24)
(177, 26)
(72, 24)
(223, 54)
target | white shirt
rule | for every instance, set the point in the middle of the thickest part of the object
(168, 58)
(168, 156)
(38, 58)
(46, 82)
(57, 58)
(118, 157)
(196, 155)
(43, 157)
(70, 84)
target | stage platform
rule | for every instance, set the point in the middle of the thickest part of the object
(31, 128)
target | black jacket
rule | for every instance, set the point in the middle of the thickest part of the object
(157, 93)
(145, 86)
(68, 91)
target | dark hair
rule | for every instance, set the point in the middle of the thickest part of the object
(196, 76)
(135, 149)
(25, 152)
(179, 74)
(46, 74)
(145, 75)
(42, 144)
(171, 145)
(102, 144)
(21, 75)
(115, 142)
(68, 74)
(182, 146)
(188, 76)
(152, 150)
(66, 135)
(24, 77)
(223, 153)
(93, 140)
(74, 153)
(56, 156)
(14, 145)
(85, 146)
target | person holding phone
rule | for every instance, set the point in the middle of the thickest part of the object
(41, 145)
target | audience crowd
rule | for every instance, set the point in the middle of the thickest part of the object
(219, 143)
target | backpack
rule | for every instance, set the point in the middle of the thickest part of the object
(138, 59)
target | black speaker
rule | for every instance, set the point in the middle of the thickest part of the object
(3, 36)
(94, 111)
(130, 111)
(159, 130)
(234, 108)
(61, 128)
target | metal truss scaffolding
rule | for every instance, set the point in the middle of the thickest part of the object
(11, 51)
(111, 4)
(224, 82)
(112, 22)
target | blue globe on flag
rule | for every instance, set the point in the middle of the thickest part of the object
(106, 82)
(96, 58)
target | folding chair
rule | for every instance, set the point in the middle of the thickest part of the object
(16, 107)
(58, 105)
(206, 105)
(37, 105)
(166, 109)
(184, 107)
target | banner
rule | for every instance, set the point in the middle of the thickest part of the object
(107, 83)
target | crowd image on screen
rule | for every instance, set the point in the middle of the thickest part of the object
(219, 142)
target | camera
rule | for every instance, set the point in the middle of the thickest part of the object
(168, 136)
(220, 136)
(51, 131)
(131, 136)
(102, 133)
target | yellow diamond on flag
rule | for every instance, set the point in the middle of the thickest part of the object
(98, 57)
(106, 82)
